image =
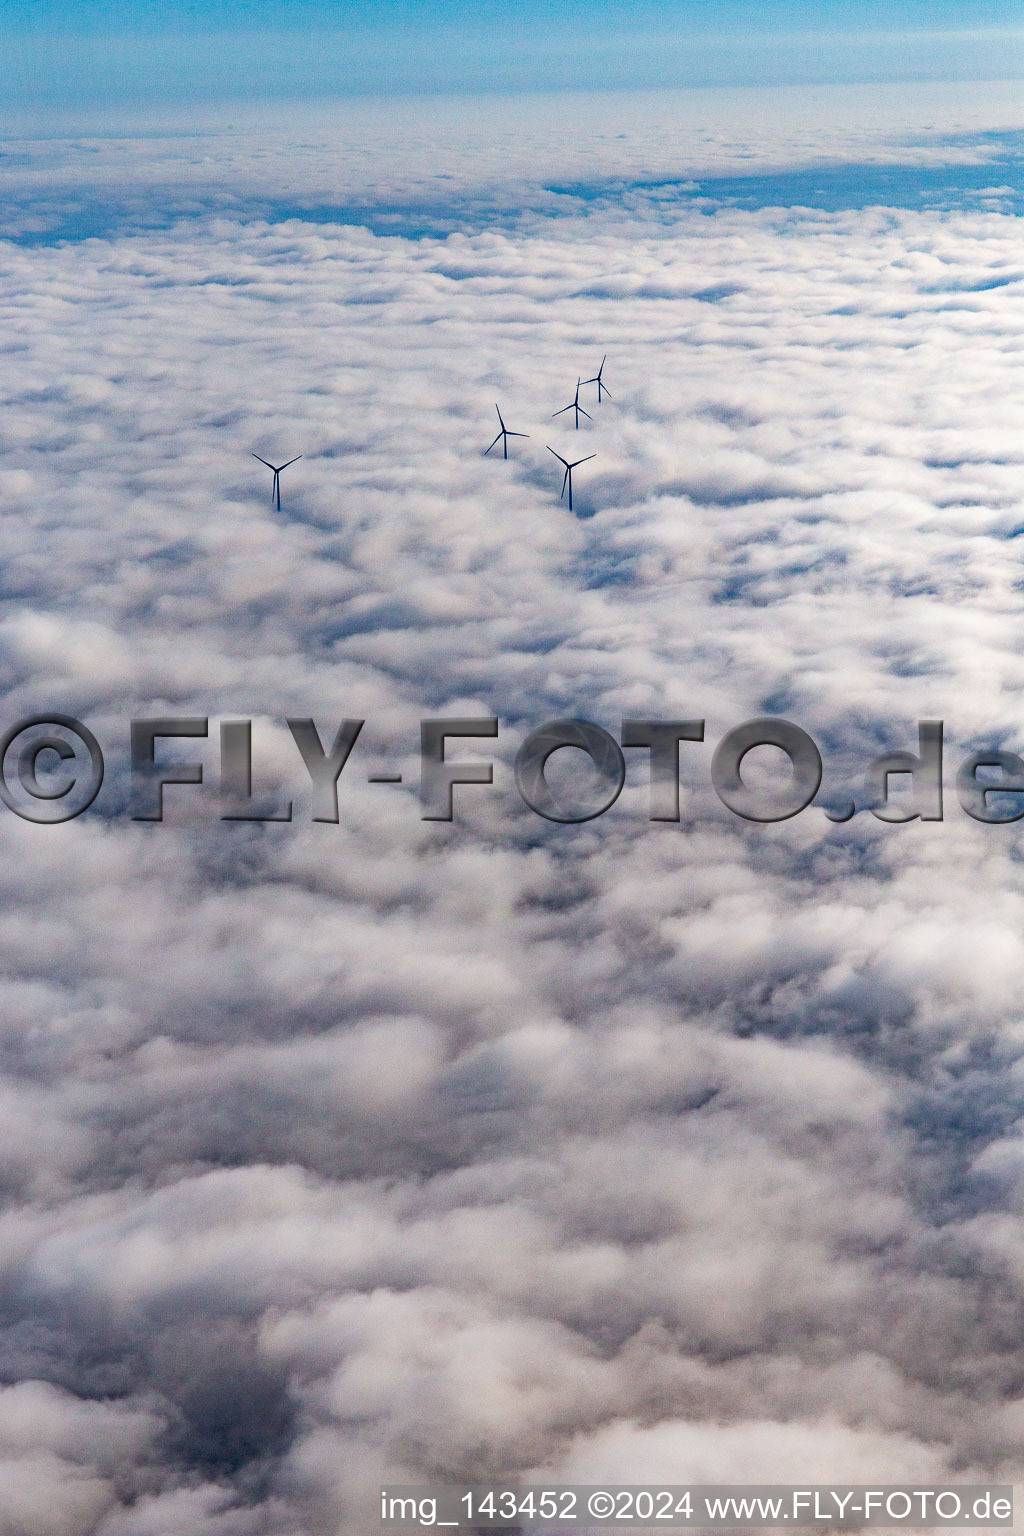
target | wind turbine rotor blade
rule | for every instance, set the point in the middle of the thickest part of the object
(500, 418)
(583, 461)
(563, 410)
(585, 413)
(565, 482)
(558, 456)
(496, 440)
(517, 434)
(263, 461)
(296, 459)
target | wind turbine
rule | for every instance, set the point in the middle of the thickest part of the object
(567, 477)
(575, 406)
(503, 437)
(275, 495)
(597, 380)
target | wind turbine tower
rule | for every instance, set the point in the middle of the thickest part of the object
(602, 389)
(503, 437)
(275, 495)
(567, 477)
(574, 406)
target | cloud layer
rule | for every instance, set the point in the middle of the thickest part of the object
(398, 1149)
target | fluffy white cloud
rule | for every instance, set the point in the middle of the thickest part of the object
(399, 1149)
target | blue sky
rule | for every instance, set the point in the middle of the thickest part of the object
(162, 16)
(112, 51)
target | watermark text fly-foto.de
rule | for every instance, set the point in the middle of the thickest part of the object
(723, 1507)
(52, 770)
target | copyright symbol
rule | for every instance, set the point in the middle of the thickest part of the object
(601, 1505)
(58, 777)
